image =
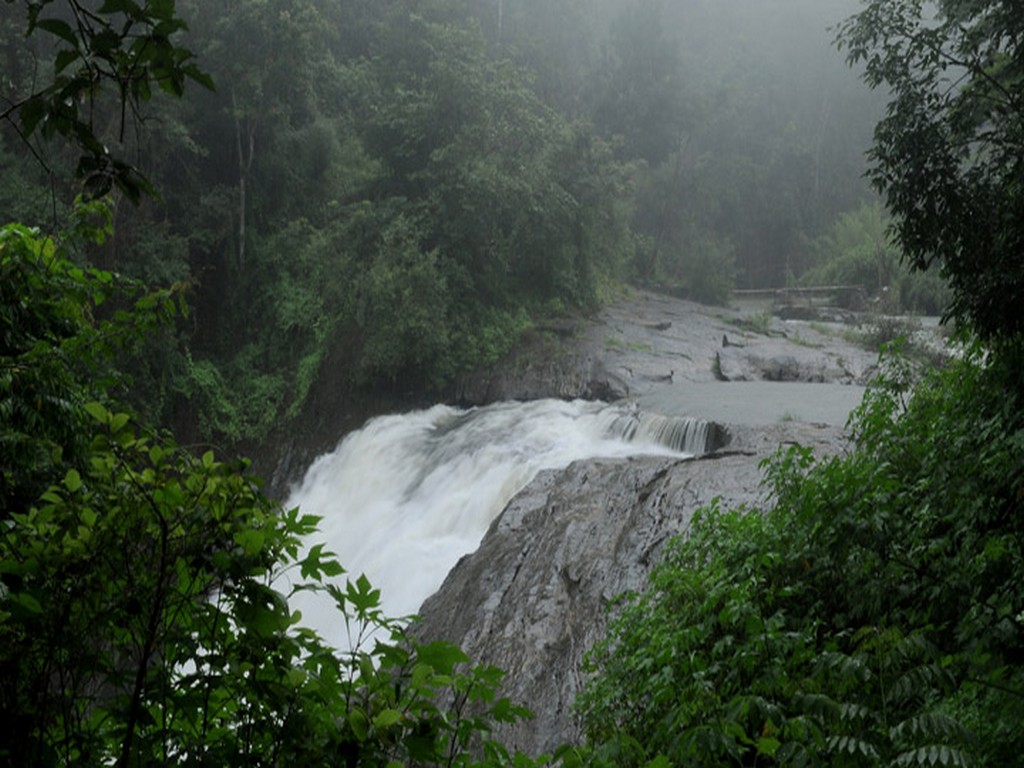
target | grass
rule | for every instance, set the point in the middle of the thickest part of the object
(800, 341)
(760, 322)
(613, 342)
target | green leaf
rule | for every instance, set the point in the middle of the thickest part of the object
(766, 745)
(27, 601)
(63, 60)
(72, 480)
(59, 28)
(358, 723)
(97, 411)
(51, 497)
(331, 568)
(250, 540)
(441, 656)
(386, 718)
(362, 595)
(32, 112)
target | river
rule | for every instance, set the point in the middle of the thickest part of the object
(403, 498)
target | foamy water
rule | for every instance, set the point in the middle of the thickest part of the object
(406, 496)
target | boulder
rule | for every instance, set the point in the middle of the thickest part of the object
(535, 595)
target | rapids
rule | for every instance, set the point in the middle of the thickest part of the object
(406, 496)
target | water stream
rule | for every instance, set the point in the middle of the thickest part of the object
(406, 496)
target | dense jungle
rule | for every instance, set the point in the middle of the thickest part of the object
(226, 220)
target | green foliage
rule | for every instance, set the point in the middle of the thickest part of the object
(858, 250)
(947, 154)
(144, 613)
(122, 46)
(870, 616)
(402, 215)
(26, 196)
(507, 190)
(677, 249)
(144, 620)
(642, 94)
(706, 270)
(483, 336)
(59, 323)
(885, 330)
(207, 390)
(353, 149)
(402, 303)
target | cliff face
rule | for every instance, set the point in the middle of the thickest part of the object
(535, 595)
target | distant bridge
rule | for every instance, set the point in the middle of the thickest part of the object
(847, 296)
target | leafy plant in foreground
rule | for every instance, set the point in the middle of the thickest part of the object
(144, 616)
(871, 616)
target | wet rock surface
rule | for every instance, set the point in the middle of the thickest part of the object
(535, 595)
(649, 342)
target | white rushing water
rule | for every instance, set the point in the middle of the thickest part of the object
(406, 496)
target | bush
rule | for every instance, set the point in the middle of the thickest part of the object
(144, 619)
(144, 616)
(858, 250)
(870, 616)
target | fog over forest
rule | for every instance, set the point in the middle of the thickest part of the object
(503, 250)
(403, 188)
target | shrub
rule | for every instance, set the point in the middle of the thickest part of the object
(144, 615)
(870, 616)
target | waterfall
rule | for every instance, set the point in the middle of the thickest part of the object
(684, 434)
(403, 498)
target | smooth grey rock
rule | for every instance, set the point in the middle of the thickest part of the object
(533, 598)
(648, 341)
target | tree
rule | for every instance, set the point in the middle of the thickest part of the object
(269, 84)
(122, 47)
(143, 601)
(869, 616)
(642, 92)
(949, 154)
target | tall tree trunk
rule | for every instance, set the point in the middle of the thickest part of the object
(246, 148)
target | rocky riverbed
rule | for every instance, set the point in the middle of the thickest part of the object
(535, 595)
(675, 356)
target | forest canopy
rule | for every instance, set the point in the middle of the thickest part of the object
(404, 188)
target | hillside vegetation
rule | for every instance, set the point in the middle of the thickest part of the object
(404, 188)
(391, 181)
